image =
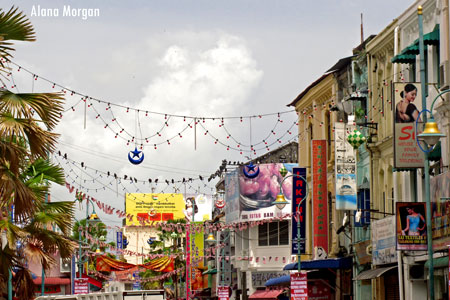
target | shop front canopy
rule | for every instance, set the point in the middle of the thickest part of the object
(330, 263)
(374, 273)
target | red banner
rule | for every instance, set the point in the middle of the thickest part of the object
(299, 286)
(320, 198)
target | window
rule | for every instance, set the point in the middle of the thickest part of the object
(273, 234)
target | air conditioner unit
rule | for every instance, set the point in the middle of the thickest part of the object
(444, 74)
(64, 265)
(416, 272)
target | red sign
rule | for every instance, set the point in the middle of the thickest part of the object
(81, 286)
(299, 286)
(223, 292)
(320, 197)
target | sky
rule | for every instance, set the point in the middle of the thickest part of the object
(199, 58)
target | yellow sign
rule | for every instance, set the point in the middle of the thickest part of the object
(147, 208)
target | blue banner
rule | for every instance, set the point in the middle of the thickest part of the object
(299, 192)
(119, 240)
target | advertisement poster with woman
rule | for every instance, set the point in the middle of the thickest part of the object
(407, 106)
(411, 226)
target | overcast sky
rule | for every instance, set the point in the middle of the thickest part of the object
(196, 58)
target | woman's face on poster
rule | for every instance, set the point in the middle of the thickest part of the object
(411, 96)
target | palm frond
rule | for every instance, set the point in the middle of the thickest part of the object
(48, 106)
(14, 25)
(23, 284)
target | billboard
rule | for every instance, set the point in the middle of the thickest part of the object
(232, 210)
(440, 202)
(345, 168)
(383, 241)
(319, 198)
(257, 195)
(153, 207)
(204, 207)
(411, 226)
(299, 186)
(407, 105)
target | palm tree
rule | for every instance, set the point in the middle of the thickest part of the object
(26, 137)
(37, 236)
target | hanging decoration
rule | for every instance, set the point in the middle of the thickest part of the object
(356, 139)
(249, 170)
(136, 153)
(220, 203)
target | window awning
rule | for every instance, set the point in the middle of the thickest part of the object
(438, 262)
(210, 271)
(374, 273)
(283, 280)
(265, 294)
(408, 54)
(330, 263)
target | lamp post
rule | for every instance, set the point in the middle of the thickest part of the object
(281, 202)
(430, 136)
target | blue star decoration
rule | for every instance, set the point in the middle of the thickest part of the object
(136, 153)
(250, 172)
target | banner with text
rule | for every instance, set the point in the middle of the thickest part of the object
(320, 198)
(299, 212)
(411, 226)
(407, 105)
(299, 286)
(153, 208)
(345, 167)
(383, 241)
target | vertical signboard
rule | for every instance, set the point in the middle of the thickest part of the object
(119, 240)
(383, 241)
(232, 209)
(320, 198)
(223, 292)
(440, 205)
(411, 226)
(345, 168)
(188, 263)
(81, 286)
(299, 286)
(298, 212)
(407, 105)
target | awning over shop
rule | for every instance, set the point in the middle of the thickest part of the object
(52, 281)
(438, 262)
(210, 271)
(408, 54)
(374, 273)
(330, 263)
(265, 294)
(283, 280)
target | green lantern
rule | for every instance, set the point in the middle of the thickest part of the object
(356, 139)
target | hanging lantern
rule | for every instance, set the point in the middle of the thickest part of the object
(356, 139)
